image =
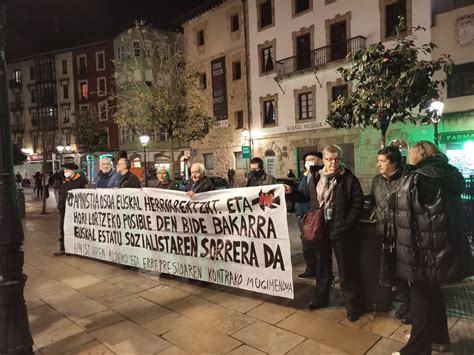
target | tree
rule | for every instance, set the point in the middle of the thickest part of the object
(392, 85)
(90, 135)
(156, 89)
(18, 156)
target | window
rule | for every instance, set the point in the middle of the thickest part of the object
(66, 114)
(200, 38)
(209, 161)
(120, 52)
(16, 75)
(240, 162)
(303, 50)
(33, 96)
(64, 66)
(82, 64)
(339, 90)
(239, 119)
(392, 12)
(461, 80)
(34, 119)
(203, 81)
(266, 17)
(269, 112)
(234, 23)
(305, 105)
(68, 138)
(32, 73)
(66, 91)
(123, 135)
(83, 90)
(267, 60)
(136, 48)
(301, 5)
(236, 71)
(101, 86)
(100, 60)
(103, 111)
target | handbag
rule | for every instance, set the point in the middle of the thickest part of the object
(314, 225)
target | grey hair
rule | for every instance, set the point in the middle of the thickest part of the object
(106, 158)
(202, 168)
(333, 148)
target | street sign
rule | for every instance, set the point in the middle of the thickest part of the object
(246, 153)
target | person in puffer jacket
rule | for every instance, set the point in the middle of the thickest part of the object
(432, 245)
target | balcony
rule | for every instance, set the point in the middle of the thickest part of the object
(16, 105)
(319, 57)
(18, 127)
(14, 84)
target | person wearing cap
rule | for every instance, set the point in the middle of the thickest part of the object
(72, 180)
(128, 179)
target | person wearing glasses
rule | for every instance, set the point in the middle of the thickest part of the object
(258, 176)
(337, 190)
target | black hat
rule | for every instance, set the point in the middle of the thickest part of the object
(315, 153)
(70, 166)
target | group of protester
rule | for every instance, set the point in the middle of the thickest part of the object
(419, 220)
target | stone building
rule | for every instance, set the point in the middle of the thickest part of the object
(214, 42)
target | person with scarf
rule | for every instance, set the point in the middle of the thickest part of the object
(164, 179)
(432, 244)
(258, 176)
(383, 195)
(336, 189)
(200, 182)
(107, 177)
(73, 179)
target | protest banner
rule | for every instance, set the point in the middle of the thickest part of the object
(236, 237)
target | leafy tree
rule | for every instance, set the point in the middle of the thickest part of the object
(18, 156)
(392, 85)
(156, 89)
(90, 135)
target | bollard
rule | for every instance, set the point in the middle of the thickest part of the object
(21, 202)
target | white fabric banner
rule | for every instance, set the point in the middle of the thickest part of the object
(236, 237)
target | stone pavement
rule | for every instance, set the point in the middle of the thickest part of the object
(82, 306)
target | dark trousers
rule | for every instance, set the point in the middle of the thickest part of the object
(39, 190)
(310, 254)
(430, 324)
(62, 212)
(346, 252)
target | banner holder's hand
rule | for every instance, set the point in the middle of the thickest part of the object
(288, 189)
(190, 193)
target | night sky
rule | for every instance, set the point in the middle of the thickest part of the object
(36, 26)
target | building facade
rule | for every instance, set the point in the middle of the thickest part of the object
(214, 43)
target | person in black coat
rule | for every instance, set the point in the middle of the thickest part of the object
(432, 244)
(128, 179)
(199, 180)
(338, 192)
(258, 176)
(383, 195)
(72, 180)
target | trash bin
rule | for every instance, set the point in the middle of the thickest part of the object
(21, 202)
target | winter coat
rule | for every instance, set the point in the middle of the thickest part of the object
(109, 180)
(129, 180)
(202, 185)
(382, 188)
(302, 207)
(77, 181)
(347, 203)
(265, 179)
(432, 246)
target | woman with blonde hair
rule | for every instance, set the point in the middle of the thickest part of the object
(432, 245)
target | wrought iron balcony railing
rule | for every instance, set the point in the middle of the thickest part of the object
(320, 56)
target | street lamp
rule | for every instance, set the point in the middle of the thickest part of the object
(436, 107)
(144, 139)
(60, 149)
(15, 332)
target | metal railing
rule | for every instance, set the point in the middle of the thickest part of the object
(320, 56)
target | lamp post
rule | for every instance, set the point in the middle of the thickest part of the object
(144, 139)
(15, 336)
(437, 108)
(60, 149)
